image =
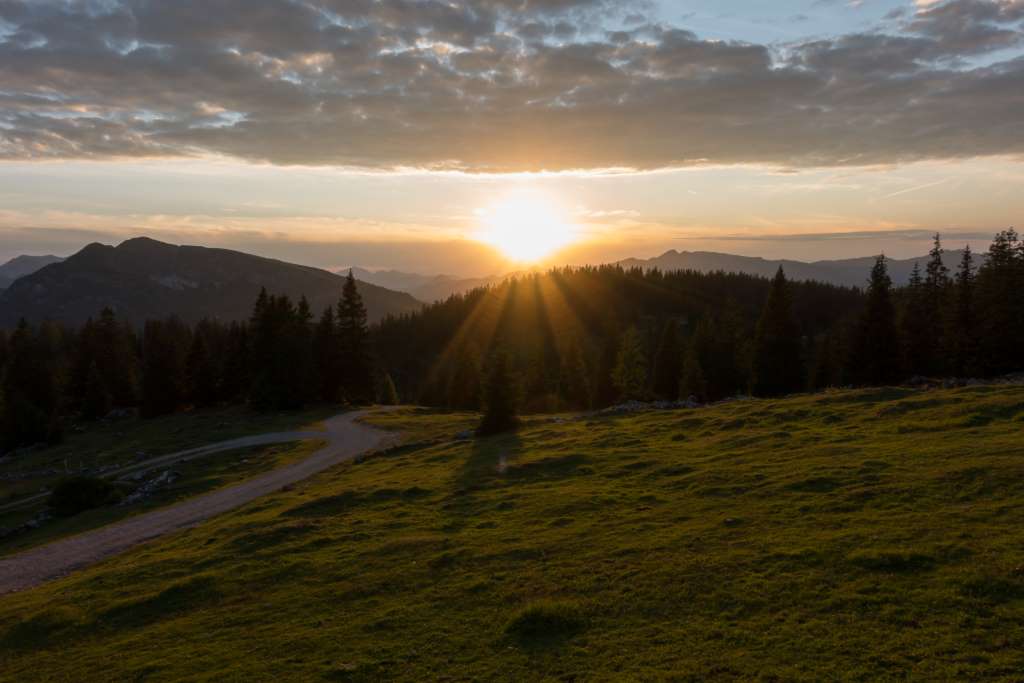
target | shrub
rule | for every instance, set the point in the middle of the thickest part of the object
(546, 621)
(78, 494)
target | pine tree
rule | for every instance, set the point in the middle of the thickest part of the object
(962, 328)
(165, 347)
(917, 326)
(630, 374)
(389, 393)
(876, 350)
(201, 369)
(500, 396)
(777, 366)
(96, 401)
(327, 356)
(574, 380)
(693, 385)
(1000, 316)
(31, 390)
(668, 362)
(357, 371)
(936, 293)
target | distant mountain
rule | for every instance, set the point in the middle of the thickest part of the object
(142, 278)
(850, 272)
(20, 266)
(427, 288)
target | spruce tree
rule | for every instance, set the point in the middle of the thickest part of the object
(574, 380)
(353, 338)
(877, 357)
(165, 347)
(630, 374)
(963, 359)
(389, 393)
(327, 356)
(777, 366)
(917, 326)
(96, 401)
(936, 293)
(500, 396)
(668, 362)
(202, 371)
(31, 390)
(693, 385)
(1000, 284)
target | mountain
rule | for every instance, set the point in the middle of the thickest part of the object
(142, 278)
(851, 272)
(428, 288)
(20, 266)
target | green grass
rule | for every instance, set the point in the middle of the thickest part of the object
(93, 445)
(197, 476)
(866, 535)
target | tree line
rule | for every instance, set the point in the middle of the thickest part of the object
(280, 359)
(569, 339)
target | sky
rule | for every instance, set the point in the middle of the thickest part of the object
(387, 133)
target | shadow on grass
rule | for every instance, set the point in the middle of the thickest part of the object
(547, 624)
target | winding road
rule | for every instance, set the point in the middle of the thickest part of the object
(346, 439)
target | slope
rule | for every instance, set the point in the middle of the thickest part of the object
(864, 535)
(142, 278)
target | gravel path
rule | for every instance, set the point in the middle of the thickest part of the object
(345, 438)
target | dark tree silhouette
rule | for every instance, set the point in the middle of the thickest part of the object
(630, 374)
(777, 366)
(31, 388)
(500, 396)
(917, 327)
(668, 362)
(876, 353)
(327, 353)
(962, 334)
(353, 340)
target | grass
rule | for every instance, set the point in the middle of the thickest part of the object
(198, 476)
(91, 446)
(863, 536)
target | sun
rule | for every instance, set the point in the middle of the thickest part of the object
(525, 227)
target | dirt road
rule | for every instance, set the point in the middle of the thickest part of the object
(345, 438)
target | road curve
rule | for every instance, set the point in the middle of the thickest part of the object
(346, 439)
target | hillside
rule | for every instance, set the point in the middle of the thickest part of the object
(20, 266)
(142, 278)
(425, 288)
(862, 535)
(847, 272)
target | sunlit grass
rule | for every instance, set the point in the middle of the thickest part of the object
(866, 535)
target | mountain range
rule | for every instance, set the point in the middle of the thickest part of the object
(21, 266)
(851, 272)
(426, 288)
(142, 279)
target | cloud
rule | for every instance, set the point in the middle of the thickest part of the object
(495, 85)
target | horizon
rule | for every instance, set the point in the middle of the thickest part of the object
(486, 135)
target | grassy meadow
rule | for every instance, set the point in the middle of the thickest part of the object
(858, 535)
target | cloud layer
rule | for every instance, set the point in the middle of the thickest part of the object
(497, 85)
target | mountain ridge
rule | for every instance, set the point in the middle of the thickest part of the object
(142, 278)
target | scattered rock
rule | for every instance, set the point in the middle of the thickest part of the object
(165, 478)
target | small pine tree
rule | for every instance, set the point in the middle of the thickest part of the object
(389, 393)
(630, 374)
(500, 396)
(777, 364)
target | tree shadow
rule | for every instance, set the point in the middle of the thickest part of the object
(482, 469)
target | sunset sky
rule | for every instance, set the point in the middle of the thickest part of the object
(398, 133)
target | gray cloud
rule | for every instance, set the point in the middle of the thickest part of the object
(495, 85)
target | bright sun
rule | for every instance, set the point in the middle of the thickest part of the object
(525, 227)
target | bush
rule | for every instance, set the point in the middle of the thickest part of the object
(546, 622)
(78, 494)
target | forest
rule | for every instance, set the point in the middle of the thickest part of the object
(572, 338)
